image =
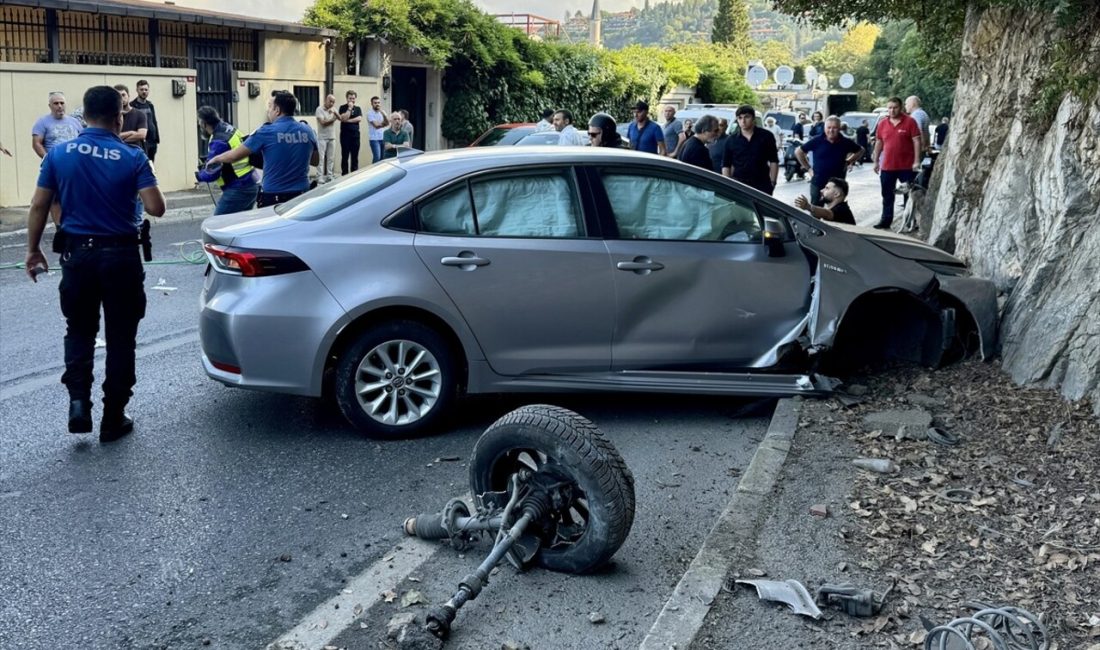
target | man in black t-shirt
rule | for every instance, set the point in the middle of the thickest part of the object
(836, 207)
(751, 155)
(350, 116)
(142, 103)
(135, 125)
(694, 150)
(941, 133)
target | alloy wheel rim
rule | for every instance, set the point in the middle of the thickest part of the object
(398, 382)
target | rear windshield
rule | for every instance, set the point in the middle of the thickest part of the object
(505, 135)
(339, 194)
(548, 137)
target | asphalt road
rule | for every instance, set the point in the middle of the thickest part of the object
(231, 516)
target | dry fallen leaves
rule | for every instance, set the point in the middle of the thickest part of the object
(413, 597)
(1026, 528)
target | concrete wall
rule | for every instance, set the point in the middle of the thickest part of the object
(285, 63)
(285, 58)
(24, 88)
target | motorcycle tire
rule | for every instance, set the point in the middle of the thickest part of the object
(590, 529)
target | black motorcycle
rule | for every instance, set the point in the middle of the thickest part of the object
(791, 166)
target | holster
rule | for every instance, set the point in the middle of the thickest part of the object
(59, 237)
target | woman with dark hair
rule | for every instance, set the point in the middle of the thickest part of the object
(818, 127)
(602, 131)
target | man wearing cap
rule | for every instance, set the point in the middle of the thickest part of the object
(645, 135)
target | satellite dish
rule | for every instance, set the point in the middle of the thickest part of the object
(811, 76)
(756, 76)
(784, 75)
(846, 80)
(822, 82)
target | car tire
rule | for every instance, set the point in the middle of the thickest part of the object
(373, 387)
(538, 435)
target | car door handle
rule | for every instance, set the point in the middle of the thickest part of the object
(640, 265)
(465, 261)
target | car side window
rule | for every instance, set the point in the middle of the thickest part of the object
(449, 213)
(536, 204)
(654, 207)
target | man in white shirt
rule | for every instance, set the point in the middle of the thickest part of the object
(326, 137)
(544, 124)
(570, 136)
(912, 106)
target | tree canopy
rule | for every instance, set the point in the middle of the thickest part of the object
(731, 23)
(493, 73)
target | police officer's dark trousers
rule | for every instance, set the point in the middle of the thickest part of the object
(107, 272)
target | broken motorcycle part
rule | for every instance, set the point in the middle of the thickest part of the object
(790, 592)
(555, 492)
(1005, 627)
(852, 600)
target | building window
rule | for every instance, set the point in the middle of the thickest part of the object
(309, 98)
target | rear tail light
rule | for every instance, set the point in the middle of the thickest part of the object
(252, 263)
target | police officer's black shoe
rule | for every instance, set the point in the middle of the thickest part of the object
(114, 425)
(80, 416)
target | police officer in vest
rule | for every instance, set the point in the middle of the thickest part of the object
(239, 188)
(96, 176)
(288, 147)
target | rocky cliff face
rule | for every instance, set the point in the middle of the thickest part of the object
(1020, 198)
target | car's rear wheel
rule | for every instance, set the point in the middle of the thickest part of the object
(397, 380)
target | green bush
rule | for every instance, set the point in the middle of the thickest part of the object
(495, 74)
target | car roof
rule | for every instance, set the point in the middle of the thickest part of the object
(490, 157)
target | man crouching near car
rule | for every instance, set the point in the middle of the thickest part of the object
(835, 194)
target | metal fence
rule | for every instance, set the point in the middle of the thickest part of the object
(23, 35)
(36, 35)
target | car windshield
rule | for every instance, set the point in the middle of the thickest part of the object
(339, 194)
(855, 120)
(783, 121)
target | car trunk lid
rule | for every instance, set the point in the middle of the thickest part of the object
(227, 228)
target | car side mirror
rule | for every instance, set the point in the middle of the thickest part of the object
(773, 238)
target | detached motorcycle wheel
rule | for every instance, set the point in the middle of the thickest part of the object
(579, 536)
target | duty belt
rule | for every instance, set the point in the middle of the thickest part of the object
(86, 242)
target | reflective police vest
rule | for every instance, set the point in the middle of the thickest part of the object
(233, 137)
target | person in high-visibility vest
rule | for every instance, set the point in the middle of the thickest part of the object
(239, 188)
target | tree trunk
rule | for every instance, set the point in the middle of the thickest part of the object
(1018, 195)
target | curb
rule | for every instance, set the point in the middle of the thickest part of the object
(683, 613)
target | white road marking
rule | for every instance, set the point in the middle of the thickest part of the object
(327, 621)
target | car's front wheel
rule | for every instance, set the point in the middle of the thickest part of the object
(397, 380)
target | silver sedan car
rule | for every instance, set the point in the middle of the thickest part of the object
(548, 269)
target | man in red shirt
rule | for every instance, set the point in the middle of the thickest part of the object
(896, 155)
